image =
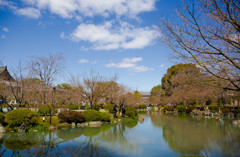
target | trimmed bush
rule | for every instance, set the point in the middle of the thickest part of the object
(17, 117)
(2, 118)
(109, 107)
(190, 109)
(213, 108)
(71, 116)
(181, 109)
(96, 107)
(92, 115)
(73, 107)
(131, 112)
(226, 110)
(45, 110)
(105, 117)
(142, 106)
(168, 108)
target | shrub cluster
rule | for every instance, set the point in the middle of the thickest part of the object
(168, 108)
(92, 115)
(190, 108)
(181, 109)
(109, 107)
(2, 118)
(96, 107)
(213, 108)
(17, 117)
(131, 112)
(78, 117)
(105, 117)
(73, 107)
(71, 116)
(142, 106)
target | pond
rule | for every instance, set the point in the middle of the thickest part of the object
(158, 135)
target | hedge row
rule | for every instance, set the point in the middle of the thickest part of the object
(88, 115)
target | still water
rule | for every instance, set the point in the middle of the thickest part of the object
(158, 135)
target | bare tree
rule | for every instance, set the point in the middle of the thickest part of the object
(93, 86)
(46, 69)
(17, 86)
(207, 32)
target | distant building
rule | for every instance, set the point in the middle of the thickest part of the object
(146, 94)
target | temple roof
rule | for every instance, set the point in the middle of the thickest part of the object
(4, 74)
(2, 69)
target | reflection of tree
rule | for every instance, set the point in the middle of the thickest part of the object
(70, 134)
(17, 142)
(115, 137)
(56, 143)
(187, 135)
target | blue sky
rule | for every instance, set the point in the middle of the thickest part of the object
(110, 36)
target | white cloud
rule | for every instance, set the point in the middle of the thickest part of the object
(162, 65)
(141, 69)
(3, 36)
(130, 64)
(108, 36)
(28, 12)
(62, 35)
(81, 61)
(5, 29)
(71, 8)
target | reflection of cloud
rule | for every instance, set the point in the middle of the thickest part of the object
(115, 139)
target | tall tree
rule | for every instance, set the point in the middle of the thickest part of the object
(93, 86)
(46, 69)
(207, 32)
(186, 84)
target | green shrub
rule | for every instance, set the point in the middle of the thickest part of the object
(168, 108)
(181, 109)
(109, 107)
(213, 111)
(73, 107)
(190, 108)
(211, 108)
(131, 112)
(226, 110)
(92, 115)
(17, 117)
(45, 110)
(71, 116)
(201, 108)
(101, 105)
(105, 117)
(2, 118)
(96, 107)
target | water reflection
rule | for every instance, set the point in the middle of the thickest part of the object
(85, 141)
(159, 135)
(189, 135)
